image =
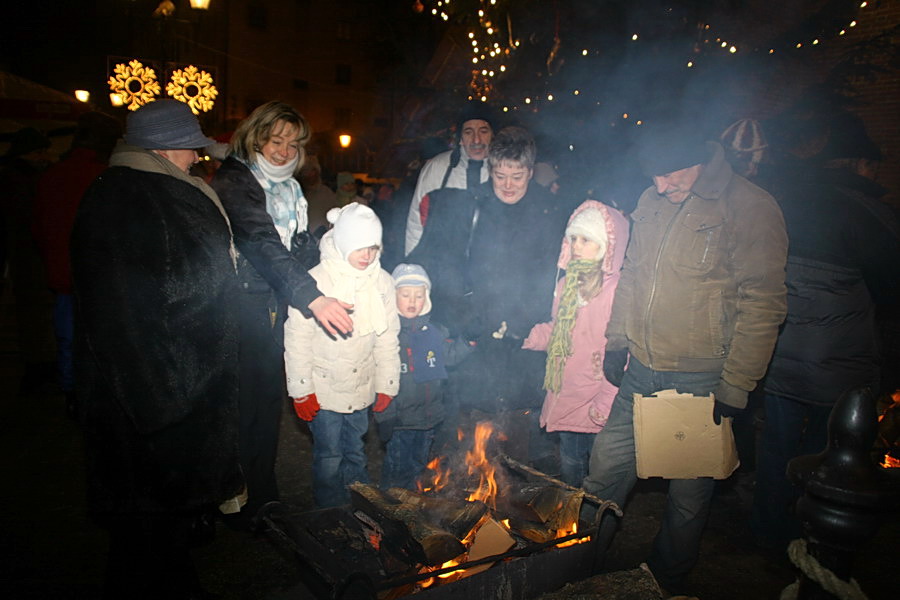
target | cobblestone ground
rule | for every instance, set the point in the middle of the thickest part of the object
(49, 549)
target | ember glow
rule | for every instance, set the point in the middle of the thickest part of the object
(478, 463)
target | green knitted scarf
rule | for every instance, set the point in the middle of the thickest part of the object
(559, 349)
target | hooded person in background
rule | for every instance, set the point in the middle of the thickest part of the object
(842, 264)
(464, 167)
(697, 309)
(347, 190)
(20, 170)
(59, 192)
(156, 350)
(319, 196)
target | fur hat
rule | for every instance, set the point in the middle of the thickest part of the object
(667, 148)
(476, 110)
(165, 125)
(355, 226)
(407, 275)
(591, 225)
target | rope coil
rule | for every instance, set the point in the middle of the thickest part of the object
(831, 583)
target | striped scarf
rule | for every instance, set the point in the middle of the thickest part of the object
(559, 349)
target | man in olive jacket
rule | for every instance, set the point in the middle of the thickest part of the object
(697, 308)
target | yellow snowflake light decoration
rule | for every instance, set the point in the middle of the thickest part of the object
(193, 87)
(135, 83)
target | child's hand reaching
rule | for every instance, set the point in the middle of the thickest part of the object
(382, 401)
(306, 407)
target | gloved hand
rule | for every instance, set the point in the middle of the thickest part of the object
(382, 401)
(306, 407)
(614, 365)
(730, 401)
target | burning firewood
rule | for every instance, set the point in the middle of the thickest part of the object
(458, 517)
(404, 526)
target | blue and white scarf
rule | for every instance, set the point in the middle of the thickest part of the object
(285, 202)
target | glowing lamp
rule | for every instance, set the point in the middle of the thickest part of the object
(344, 140)
(200, 4)
(116, 99)
(82, 95)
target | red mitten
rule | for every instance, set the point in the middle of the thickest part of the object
(306, 407)
(382, 401)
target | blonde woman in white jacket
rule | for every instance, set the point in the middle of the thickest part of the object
(334, 380)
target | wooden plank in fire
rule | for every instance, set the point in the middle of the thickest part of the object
(404, 526)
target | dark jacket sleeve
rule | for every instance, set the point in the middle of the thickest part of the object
(258, 241)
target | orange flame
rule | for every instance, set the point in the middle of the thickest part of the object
(890, 462)
(477, 461)
(573, 528)
(450, 563)
(440, 478)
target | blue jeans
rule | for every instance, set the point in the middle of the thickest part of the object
(613, 473)
(63, 327)
(339, 455)
(574, 455)
(406, 456)
(792, 429)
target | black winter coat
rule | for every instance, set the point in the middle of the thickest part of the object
(265, 264)
(156, 345)
(844, 249)
(490, 263)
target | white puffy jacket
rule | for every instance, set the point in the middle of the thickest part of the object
(344, 373)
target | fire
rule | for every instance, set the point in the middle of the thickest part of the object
(573, 528)
(440, 478)
(895, 397)
(478, 463)
(890, 462)
(450, 563)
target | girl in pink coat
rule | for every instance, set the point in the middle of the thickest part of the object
(578, 395)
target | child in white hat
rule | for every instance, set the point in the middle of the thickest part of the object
(578, 396)
(426, 353)
(334, 380)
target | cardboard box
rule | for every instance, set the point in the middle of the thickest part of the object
(675, 437)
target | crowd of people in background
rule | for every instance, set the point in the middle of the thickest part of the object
(492, 283)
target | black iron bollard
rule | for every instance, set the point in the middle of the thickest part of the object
(845, 492)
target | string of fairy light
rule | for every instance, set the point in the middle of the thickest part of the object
(491, 45)
(492, 48)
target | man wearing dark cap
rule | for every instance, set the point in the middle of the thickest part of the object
(843, 264)
(697, 309)
(464, 167)
(153, 267)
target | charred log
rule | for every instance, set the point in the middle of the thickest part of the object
(405, 527)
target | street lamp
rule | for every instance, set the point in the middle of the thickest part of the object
(82, 95)
(200, 4)
(344, 140)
